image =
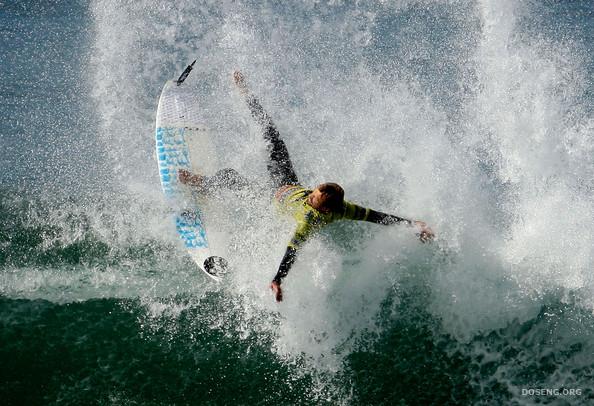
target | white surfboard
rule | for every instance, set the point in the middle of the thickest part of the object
(178, 121)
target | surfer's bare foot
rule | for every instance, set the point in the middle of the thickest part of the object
(188, 178)
(278, 292)
(239, 80)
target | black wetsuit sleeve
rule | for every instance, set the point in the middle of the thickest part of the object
(353, 211)
(386, 219)
(286, 264)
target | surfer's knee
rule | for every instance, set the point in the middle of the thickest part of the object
(231, 178)
(228, 173)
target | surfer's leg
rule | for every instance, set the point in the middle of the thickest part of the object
(224, 179)
(227, 178)
(279, 165)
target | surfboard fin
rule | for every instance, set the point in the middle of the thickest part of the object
(185, 73)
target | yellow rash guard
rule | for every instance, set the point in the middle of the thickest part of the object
(293, 200)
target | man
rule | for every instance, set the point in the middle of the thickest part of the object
(312, 209)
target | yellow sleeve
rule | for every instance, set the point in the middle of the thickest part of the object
(355, 212)
(301, 234)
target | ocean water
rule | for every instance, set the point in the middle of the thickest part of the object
(475, 116)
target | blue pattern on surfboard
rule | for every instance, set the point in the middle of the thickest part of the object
(190, 228)
(173, 154)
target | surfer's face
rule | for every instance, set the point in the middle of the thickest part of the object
(316, 200)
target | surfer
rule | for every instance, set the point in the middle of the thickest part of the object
(312, 209)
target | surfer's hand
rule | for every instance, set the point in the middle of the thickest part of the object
(278, 292)
(425, 233)
(239, 80)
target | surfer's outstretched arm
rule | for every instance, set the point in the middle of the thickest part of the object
(283, 270)
(301, 234)
(279, 165)
(286, 264)
(425, 233)
(355, 212)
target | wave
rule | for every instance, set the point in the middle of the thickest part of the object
(474, 116)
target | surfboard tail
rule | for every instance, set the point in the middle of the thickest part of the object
(216, 267)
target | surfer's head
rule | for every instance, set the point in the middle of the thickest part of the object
(327, 197)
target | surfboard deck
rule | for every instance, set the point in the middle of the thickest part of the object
(178, 119)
